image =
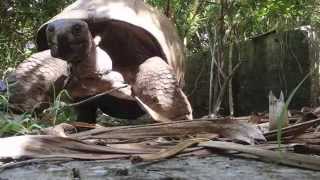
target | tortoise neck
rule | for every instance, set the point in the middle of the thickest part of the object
(87, 66)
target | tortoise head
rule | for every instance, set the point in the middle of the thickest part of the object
(69, 40)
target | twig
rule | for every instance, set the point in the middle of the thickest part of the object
(230, 86)
(196, 81)
(171, 152)
(212, 51)
(224, 88)
(293, 130)
(291, 159)
(307, 149)
(96, 96)
(31, 161)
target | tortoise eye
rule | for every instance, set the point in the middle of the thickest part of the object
(76, 29)
(50, 29)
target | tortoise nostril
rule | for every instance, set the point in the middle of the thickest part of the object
(76, 29)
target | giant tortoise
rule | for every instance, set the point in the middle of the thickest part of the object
(144, 48)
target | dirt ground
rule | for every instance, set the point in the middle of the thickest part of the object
(212, 167)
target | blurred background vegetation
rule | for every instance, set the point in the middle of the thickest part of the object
(198, 21)
(207, 27)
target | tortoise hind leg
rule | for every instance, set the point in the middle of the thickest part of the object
(156, 85)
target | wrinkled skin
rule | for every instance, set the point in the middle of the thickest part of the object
(69, 40)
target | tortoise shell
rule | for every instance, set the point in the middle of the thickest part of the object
(131, 32)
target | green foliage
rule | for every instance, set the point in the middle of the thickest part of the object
(59, 111)
(246, 17)
(284, 111)
(17, 125)
(193, 18)
(243, 18)
(11, 124)
(18, 25)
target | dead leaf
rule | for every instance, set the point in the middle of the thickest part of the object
(167, 153)
(53, 146)
(228, 128)
(155, 116)
(291, 159)
(61, 130)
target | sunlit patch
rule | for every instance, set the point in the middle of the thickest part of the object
(14, 149)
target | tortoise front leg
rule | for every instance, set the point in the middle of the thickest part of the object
(122, 90)
(156, 85)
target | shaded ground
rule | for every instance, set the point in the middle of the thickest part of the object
(213, 167)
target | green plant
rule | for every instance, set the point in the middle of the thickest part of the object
(18, 124)
(27, 123)
(284, 111)
(59, 112)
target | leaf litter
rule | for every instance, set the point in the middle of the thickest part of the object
(299, 146)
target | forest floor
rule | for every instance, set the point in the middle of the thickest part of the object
(223, 148)
(210, 167)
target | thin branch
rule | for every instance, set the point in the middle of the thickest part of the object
(96, 96)
(212, 50)
(230, 87)
(293, 130)
(290, 159)
(223, 89)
